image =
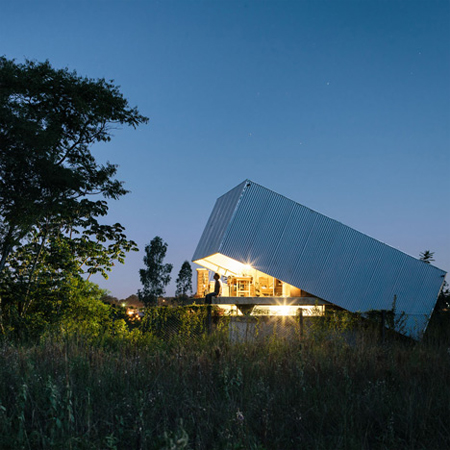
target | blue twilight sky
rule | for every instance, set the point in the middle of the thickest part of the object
(342, 106)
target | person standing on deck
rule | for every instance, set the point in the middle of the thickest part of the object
(217, 288)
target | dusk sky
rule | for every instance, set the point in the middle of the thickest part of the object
(342, 106)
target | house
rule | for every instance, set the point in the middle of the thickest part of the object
(277, 256)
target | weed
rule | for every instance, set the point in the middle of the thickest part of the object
(157, 388)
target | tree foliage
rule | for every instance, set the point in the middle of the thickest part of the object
(184, 281)
(156, 276)
(443, 302)
(49, 119)
(50, 184)
(427, 256)
(44, 269)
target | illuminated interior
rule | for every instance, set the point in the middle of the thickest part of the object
(287, 310)
(274, 310)
(240, 281)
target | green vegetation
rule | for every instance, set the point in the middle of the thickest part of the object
(166, 384)
(53, 192)
(76, 373)
(156, 276)
(184, 282)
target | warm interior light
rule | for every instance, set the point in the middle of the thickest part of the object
(284, 310)
(275, 310)
(244, 279)
(230, 310)
(287, 310)
(224, 265)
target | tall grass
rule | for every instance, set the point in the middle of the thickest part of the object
(139, 390)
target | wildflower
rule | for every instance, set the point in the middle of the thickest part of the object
(239, 416)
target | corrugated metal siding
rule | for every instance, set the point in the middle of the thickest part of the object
(256, 225)
(317, 254)
(218, 222)
(290, 248)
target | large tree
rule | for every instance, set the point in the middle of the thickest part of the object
(156, 276)
(49, 120)
(184, 281)
(52, 190)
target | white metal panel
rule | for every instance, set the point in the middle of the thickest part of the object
(284, 239)
(219, 220)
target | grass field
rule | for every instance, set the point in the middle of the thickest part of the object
(141, 391)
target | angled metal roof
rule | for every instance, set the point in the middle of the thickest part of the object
(306, 249)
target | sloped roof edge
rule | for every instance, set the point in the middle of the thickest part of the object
(302, 247)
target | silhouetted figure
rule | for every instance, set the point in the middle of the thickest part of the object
(208, 297)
